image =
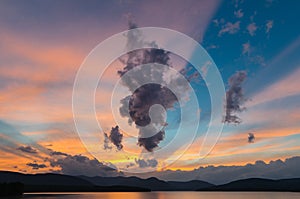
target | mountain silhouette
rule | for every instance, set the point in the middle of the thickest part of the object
(151, 183)
(50, 182)
(59, 182)
(258, 184)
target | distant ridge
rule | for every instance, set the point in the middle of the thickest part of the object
(42, 179)
(151, 183)
(58, 182)
(64, 183)
(258, 184)
(50, 182)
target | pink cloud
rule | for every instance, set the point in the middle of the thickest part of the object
(269, 25)
(246, 48)
(252, 28)
(230, 28)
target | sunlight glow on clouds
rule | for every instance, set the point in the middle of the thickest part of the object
(40, 53)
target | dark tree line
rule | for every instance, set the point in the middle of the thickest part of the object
(11, 189)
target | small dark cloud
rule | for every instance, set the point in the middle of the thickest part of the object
(235, 97)
(152, 142)
(130, 165)
(27, 149)
(58, 153)
(36, 166)
(115, 137)
(251, 137)
(142, 163)
(23, 170)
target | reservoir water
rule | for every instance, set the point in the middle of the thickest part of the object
(165, 195)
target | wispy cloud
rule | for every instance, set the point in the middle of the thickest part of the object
(246, 48)
(230, 28)
(252, 28)
(204, 69)
(269, 25)
(239, 13)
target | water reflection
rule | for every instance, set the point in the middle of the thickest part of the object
(106, 195)
(165, 195)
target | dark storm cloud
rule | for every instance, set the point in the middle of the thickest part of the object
(235, 97)
(251, 137)
(36, 166)
(146, 163)
(146, 96)
(27, 149)
(289, 168)
(136, 107)
(115, 137)
(82, 165)
(152, 142)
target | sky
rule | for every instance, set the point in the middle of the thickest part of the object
(255, 47)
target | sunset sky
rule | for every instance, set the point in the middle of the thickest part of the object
(44, 43)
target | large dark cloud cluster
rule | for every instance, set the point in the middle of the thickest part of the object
(139, 106)
(136, 107)
(235, 97)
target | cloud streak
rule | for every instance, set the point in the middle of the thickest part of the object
(287, 86)
(27, 149)
(230, 28)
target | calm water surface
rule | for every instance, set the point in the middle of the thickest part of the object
(166, 195)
